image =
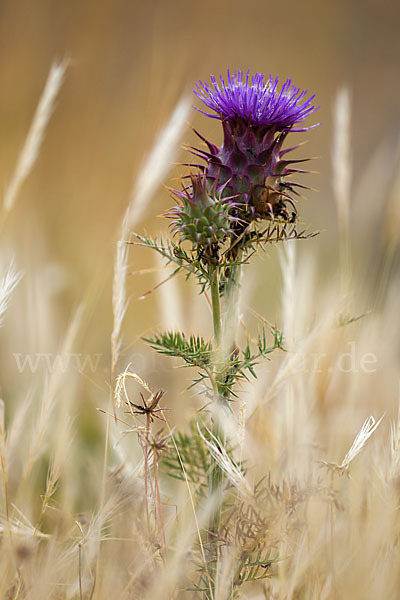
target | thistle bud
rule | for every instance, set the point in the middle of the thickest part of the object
(203, 216)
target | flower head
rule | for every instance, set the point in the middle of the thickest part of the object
(257, 102)
(243, 180)
(203, 215)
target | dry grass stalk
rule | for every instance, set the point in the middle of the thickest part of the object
(225, 462)
(341, 159)
(8, 283)
(368, 428)
(48, 403)
(34, 139)
(341, 177)
(150, 176)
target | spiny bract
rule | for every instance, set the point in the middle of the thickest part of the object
(203, 216)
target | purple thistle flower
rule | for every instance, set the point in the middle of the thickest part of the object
(258, 103)
(246, 175)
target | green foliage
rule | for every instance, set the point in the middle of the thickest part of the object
(195, 351)
(250, 566)
(255, 238)
(254, 566)
(243, 363)
(190, 262)
(189, 459)
(194, 262)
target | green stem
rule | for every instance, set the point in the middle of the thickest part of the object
(215, 477)
(215, 301)
(231, 316)
(215, 485)
(223, 348)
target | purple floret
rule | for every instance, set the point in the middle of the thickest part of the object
(258, 103)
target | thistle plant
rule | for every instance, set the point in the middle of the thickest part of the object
(241, 197)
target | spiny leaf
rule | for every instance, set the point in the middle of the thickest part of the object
(195, 351)
(190, 262)
(242, 365)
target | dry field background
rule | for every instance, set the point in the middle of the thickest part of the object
(72, 480)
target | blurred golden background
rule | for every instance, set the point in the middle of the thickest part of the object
(72, 473)
(130, 63)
